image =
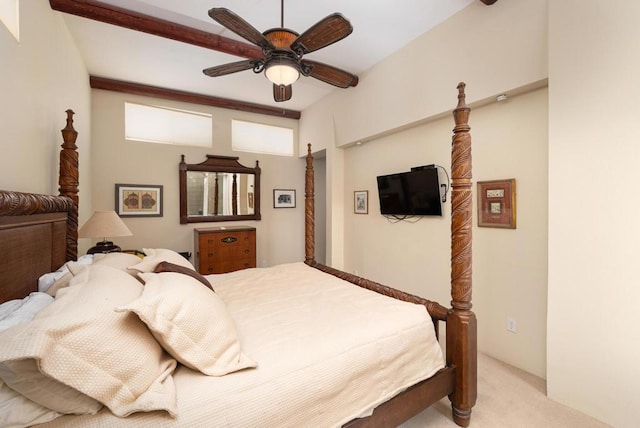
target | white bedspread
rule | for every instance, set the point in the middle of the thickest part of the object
(327, 352)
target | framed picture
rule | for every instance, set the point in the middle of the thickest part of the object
(284, 198)
(497, 203)
(138, 200)
(361, 202)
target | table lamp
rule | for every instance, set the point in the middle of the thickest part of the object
(104, 224)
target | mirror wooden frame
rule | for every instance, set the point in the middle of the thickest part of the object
(215, 163)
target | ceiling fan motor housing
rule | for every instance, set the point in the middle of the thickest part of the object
(281, 38)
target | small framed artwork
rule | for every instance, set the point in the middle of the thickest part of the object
(497, 203)
(284, 198)
(138, 200)
(361, 202)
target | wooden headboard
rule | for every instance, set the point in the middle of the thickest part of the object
(39, 233)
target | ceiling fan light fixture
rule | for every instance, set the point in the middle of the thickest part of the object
(282, 71)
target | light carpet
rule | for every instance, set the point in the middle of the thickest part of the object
(507, 397)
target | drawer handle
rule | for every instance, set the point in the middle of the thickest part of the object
(210, 241)
(228, 239)
(246, 251)
(210, 254)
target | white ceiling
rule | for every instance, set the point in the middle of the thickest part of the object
(380, 28)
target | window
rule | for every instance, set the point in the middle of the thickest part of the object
(259, 138)
(155, 124)
(10, 17)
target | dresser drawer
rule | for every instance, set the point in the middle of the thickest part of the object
(227, 240)
(227, 266)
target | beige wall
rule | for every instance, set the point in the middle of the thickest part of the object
(41, 76)
(510, 276)
(592, 339)
(280, 233)
(492, 49)
(594, 322)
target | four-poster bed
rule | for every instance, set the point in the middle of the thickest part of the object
(39, 234)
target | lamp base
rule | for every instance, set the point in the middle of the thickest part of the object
(104, 247)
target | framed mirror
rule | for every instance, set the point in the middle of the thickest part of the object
(219, 189)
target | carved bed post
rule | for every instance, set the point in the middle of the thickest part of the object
(309, 211)
(216, 201)
(461, 321)
(68, 181)
(234, 195)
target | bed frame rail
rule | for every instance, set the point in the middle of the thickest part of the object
(436, 310)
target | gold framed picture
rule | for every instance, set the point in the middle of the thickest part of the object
(497, 203)
(138, 200)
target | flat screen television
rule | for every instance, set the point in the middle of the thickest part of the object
(416, 192)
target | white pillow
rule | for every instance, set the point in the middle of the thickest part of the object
(47, 280)
(156, 255)
(190, 322)
(15, 409)
(60, 283)
(83, 344)
(18, 411)
(120, 261)
(18, 311)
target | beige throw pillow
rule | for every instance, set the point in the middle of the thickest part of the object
(157, 255)
(120, 261)
(190, 322)
(80, 342)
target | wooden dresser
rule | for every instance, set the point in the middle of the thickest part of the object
(224, 249)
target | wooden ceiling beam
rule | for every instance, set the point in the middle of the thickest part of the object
(103, 12)
(188, 97)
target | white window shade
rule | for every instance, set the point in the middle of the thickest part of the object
(260, 138)
(163, 125)
(10, 17)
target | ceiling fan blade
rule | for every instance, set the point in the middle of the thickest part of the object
(327, 31)
(282, 92)
(232, 67)
(328, 74)
(242, 28)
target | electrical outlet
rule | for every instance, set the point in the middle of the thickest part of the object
(511, 325)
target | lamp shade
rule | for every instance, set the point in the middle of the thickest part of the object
(104, 224)
(282, 71)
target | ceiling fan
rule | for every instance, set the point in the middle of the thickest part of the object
(283, 51)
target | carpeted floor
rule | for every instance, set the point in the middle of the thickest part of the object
(507, 397)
